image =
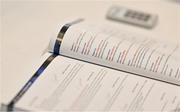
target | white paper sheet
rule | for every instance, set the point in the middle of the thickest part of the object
(72, 85)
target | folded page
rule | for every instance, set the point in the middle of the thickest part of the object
(110, 46)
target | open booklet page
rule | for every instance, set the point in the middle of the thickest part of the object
(72, 85)
(117, 48)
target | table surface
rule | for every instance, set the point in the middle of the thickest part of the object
(27, 28)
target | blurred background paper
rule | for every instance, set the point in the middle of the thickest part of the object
(0, 57)
(27, 27)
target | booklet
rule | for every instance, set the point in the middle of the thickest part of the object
(100, 67)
